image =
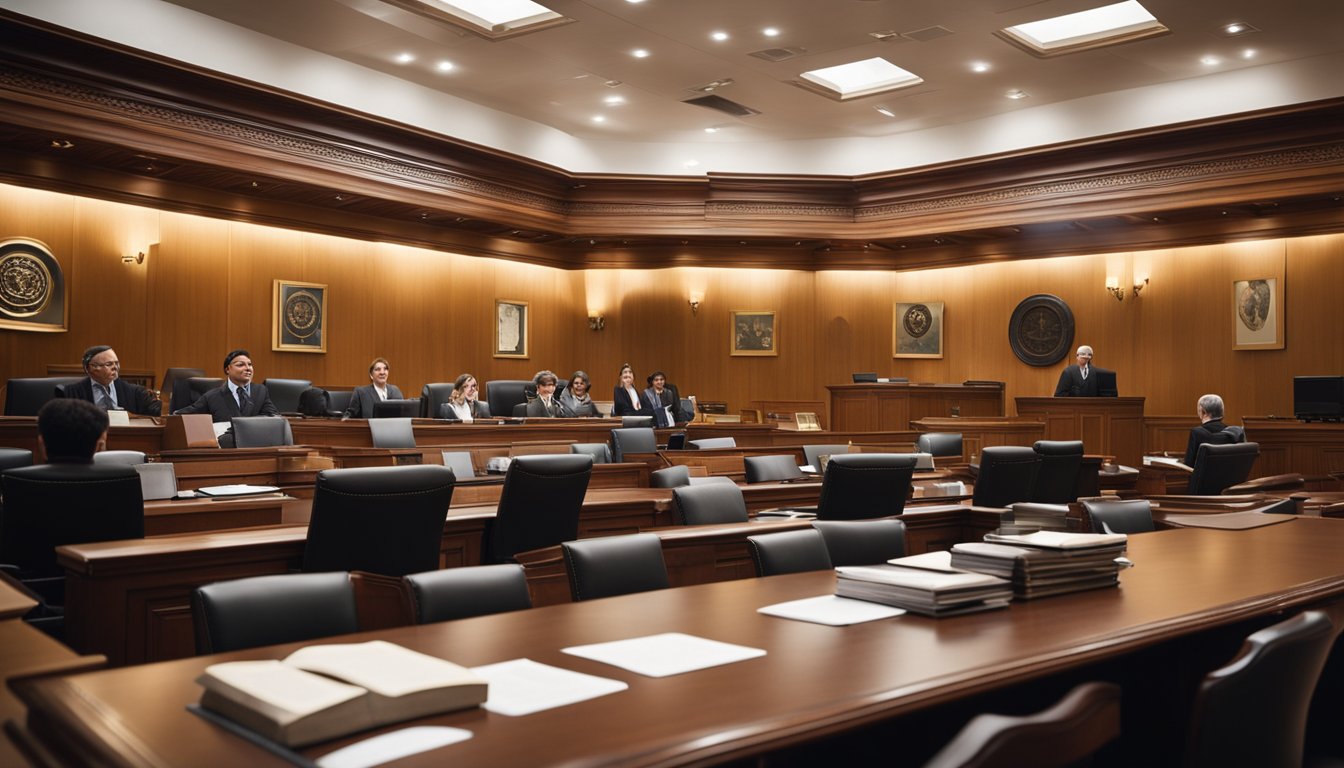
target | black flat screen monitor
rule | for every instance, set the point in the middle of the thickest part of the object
(1318, 397)
(1106, 383)
(865, 378)
(397, 409)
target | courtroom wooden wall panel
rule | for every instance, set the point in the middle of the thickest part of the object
(190, 310)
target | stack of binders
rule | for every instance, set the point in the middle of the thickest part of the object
(1046, 562)
(931, 593)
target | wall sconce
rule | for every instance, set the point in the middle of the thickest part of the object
(1113, 285)
(695, 306)
(596, 322)
(695, 298)
(1139, 286)
(138, 258)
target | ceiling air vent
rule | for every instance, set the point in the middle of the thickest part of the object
(778, 54)
(726, 106)
(926, 34)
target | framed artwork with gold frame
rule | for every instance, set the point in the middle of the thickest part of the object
(918, 329)
(299, 317)
(753, 332)
(1257, 313)
(32, 287)
(511, 328)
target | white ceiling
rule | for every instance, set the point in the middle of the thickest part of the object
(536, 94)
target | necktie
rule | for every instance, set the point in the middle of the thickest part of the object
(1085, 372)
(104, 398)
(243, 399)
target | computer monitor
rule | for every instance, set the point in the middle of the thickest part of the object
(397, 409)
(1318, 398)
(865, 378)
(1106, 383)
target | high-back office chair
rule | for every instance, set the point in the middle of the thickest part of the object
(632, 440)
(285, 393)
(519, 411)
(25, 397)
(540, 504)
(196, 386)
(503, 394)
(709, 504)
(339, 400)
(1066, 734)
(712, 442)
(392, 433)
(632, 422)
(1218, 467)
(1114, 516)
(812, 453)
(939, 443)
(1253, 710)
(670, 477)
(600, 452)
(1007, 475)
(767, 469)
(789, 552)
(460, 593)
(862, 542)
(13, 458)
(433, 396)
(261, 431)
(386, 520)
(614, 565)
(266, 610)
(176, 387)
(863, 485)
(1057, 474)
(129, 458)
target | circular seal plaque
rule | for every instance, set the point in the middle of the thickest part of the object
(917, 320)
(1041, 331)
(303, 314)
(25, 283)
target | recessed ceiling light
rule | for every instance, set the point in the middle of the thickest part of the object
(719, 36)
(599, 119)
(885, 111)
(405, 58)
(494, 18)
(690, 163)
(1249, 53)
(1107, 25)
(862, 78)
(1210, 61)
(711, 129)
(770, 32)
(634, 2)
(1016, 94)
(614, 100)
(1236, 28)
(640, 53)
(445, 66)
(979, 66)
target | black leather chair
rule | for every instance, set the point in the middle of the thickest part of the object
(25, 397)
(712, 442)
(856, 486)
(600, 452)
(1007, 475)
(392, 433)
(632, 440)
(285, 393)
(676, 441)
(460, 593)
(670, 477)
(267, 610)
(13, 458)
(539, 506)
(519, 411)
(261, 431)
(315, 402)
(503, 394)
(1119, 516)
(433, 396)
(1218, 467)
(386, 520)
(197, 386)
(939, 443)
(614, 565)
(813, 453)
(1057, 474)
(789, 552)
(339, 400)
(1066, 734)
(1253, 710)
(1238, 433)
(709, 504)
(176, 387)
(631, 422)
(766, 469)
(862, 542)
(128, 458)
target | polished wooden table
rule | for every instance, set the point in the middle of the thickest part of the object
(899, 685)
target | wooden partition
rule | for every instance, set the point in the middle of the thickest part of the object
(882, 407)
(1111, 426)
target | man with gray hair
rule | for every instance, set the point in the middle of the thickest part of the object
(1211, 428)
(1078, 380)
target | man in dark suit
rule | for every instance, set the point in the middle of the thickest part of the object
(106, 390)
(546, 404)
(1078, 380)
(1210, 430)
(238, 397)
(378, 390)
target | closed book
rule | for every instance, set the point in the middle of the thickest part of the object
(1060, 540)
(933, 593)
(325, 691)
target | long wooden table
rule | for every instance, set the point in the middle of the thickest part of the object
(852, 693)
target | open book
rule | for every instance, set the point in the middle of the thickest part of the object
(1166, 461)
(301, 699)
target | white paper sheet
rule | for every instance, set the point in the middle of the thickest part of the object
(391, 746)
(831, 610)
(522, 686)
(671, 653)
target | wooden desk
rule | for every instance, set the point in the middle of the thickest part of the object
(1111, 426)
(14, 603)
(170, 516)
(885, 407)
(1289, 445)
(27, 651)
(910, 681)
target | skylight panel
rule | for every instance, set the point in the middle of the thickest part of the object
(1107, 25)
(859, 78)
(493, 19)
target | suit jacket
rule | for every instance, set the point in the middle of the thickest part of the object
(131, 397)
(622, 405)
(657, 409)
(222, 406)
(1072, 384)
(1213, 431)
(363, 398)
(576, 408)
(479, 410)
(537, 408)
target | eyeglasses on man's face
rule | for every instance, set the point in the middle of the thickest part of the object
(109, 365)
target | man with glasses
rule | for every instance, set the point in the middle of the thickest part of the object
(106, 390)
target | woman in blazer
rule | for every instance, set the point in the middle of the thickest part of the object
(626, 397)
(463, 404)
(576, 399)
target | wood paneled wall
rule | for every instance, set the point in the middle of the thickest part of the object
(206, 287)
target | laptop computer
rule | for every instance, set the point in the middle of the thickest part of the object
(157, 481)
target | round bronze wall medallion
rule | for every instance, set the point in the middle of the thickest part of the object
(25, 283)
(303, 314)
(1041, 331)
(917, 321)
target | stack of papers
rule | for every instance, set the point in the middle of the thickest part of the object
(1047, 562)
(928, 592)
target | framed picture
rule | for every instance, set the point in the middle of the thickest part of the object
(1257, 313)
(511, 328)
(918, 329)
(32, 287)
(299, 317)
(754, 332)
